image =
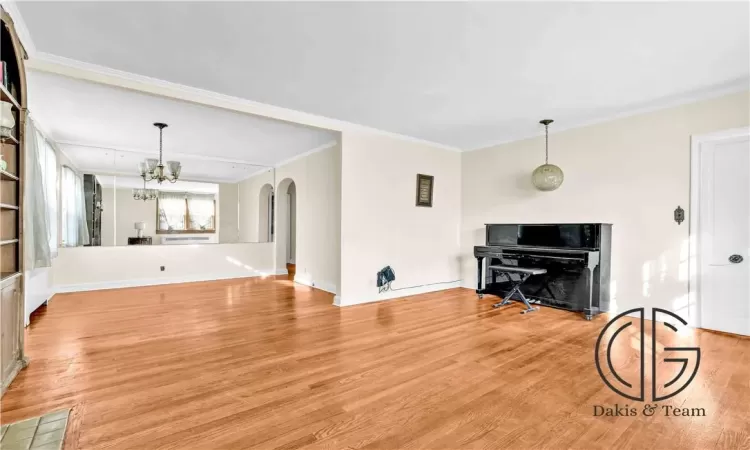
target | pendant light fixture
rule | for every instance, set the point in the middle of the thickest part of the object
(547, 177)
(153, 169)
(145, 194)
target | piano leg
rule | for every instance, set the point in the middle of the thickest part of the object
(588, 312)
(480, 277)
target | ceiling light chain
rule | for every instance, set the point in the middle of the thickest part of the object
(152, 169)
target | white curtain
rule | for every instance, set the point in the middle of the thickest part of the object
(74, 228)
(171, 210)
(48, 163)
(37, 234)
(201, 211)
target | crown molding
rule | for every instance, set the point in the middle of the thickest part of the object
(186, 156)
(45, 62)
(317, 149)
(121, 173)
(733, 87)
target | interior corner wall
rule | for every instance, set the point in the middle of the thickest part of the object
(227, 214)
(317, 179)
(250, 205)
(382, 226)
(631, 172)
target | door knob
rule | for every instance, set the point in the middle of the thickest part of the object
(735, 259)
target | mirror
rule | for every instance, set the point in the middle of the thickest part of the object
(122, 210)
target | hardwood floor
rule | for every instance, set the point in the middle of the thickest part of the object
(268, 364)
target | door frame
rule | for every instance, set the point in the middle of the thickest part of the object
(694, 261)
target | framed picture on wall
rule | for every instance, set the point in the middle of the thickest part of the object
(425, 183)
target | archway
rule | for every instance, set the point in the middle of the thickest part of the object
(286, 226)
(266, 213)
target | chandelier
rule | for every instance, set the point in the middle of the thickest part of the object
(547, 177)
(145, 194)
(153, 169)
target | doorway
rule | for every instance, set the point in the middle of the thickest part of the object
(286, 225)
(720, 230)
(265, 214)
(291, 194)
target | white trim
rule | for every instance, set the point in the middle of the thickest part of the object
(408, 292)
(322, 285)
(317, 149)
(109, 172)
(281, 272)
(694, 265)
(60, 289)
(46, 62)
(171, 154)
(670, 102)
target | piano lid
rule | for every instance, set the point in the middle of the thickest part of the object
(560, 235)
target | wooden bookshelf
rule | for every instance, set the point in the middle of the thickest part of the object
(6, 97)
(7, 176)
(13, 91)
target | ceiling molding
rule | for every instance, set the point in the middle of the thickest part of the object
(733, 87)
(320, 148)
(256, 173)
(45, 62)
(117, 173)
(187, 156)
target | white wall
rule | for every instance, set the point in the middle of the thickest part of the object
(317, 179)
(121, 211)
(108, 217)
(250, 207)
(38, 286)
(227, 213)
(87, 268)
(381, 225)
(631, 172)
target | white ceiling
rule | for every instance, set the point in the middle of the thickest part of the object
(463, 74)
(125, 182)
(105, 129)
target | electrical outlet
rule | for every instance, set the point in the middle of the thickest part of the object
(162, 268)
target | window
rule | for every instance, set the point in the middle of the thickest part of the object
(74, 227)
(48, 163)
(181, 212)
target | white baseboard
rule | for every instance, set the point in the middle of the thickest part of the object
(390, 295)
(156, 281)
(281, 272)
(308, 281)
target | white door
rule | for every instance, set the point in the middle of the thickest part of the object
(724, 233)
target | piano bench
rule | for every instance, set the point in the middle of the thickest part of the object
(525, 273)
(516, 269)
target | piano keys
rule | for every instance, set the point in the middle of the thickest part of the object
(576, 257)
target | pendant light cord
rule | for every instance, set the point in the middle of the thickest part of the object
(161, 131)
(546, 144)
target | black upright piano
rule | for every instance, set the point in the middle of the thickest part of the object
(575, 255)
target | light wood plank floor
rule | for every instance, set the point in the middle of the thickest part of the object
(268, 364)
